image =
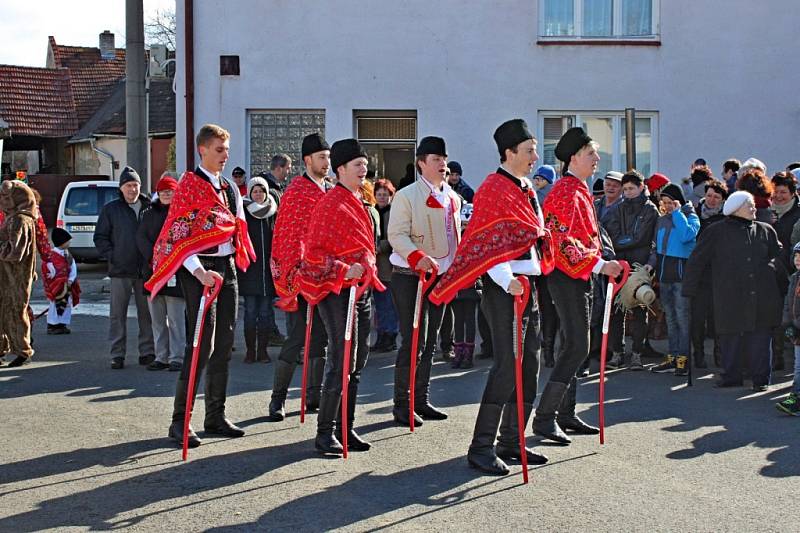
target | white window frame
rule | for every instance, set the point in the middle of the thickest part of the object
(617, 163)
(616, 24)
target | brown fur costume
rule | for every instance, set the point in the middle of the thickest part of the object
(17, 264)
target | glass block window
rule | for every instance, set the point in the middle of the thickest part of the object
(281, 131)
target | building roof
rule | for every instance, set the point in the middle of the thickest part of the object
(37, 101)
(92, 78)
(109, 119)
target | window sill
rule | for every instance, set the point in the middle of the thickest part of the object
(598, 42)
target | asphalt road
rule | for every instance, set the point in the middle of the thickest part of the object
(85, 448)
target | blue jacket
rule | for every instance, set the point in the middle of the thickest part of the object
(676, 235)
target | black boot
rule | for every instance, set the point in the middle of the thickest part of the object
(422, 388)
(262, 356)
(699, 356)
(508, 442)
(380, 344)
(250, 343)
(325, 442)
(178, 412)
(354, 442)
(544, 423)
(216, 394)
(567, 418)
(400, 412)
(283, 376)
(391, 342)
(314, 387)
(481, 453)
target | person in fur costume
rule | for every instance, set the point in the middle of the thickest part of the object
(17, 268)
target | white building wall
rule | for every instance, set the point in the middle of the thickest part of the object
(723, 81)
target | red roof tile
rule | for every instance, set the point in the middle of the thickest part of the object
(91, 77)
(37, 101)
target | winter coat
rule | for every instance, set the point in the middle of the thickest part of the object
(257, 279)
(676, 235)
(707, 221)
(631, 227)
(384, 249)
(464, 190)
(603, 211)
(114, 237)
(742, 257)
(152, 220)
(791, 304)
(784, 227)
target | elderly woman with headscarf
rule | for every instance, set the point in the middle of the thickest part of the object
(255, 283)
(741, 253)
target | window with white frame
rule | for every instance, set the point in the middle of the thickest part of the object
(599, 19)
(608, 129)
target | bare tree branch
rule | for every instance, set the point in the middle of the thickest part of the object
(160, 28)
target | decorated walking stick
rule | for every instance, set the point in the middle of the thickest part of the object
(614, 285)
(209, 295)
(356, 290)
(309, 319)
(519, 308)
(426, 279)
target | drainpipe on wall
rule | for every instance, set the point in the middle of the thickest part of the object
(106, 153)
(188, 45)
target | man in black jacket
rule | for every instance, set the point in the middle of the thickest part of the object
(114, 238)
(631, 227)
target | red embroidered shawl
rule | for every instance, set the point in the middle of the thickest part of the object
(503, 227)
(56, 287)
(570, 217)
(340, 233)
(294, 214)
(197, 220)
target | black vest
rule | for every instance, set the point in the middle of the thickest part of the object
(230, 197)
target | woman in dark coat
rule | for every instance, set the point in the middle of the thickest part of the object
(255, 284)
(741, 253)
(386, 315)
(168, 308)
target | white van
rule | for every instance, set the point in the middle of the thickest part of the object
(78, 211)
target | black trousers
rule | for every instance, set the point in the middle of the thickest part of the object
(702, 317)
(333, 310)
(573, 301)
(296, 334)
(752, 346)
(486, 334)
(404, 292)
(464, 321)
(446, 331)
(638, 329)
(498, 306)
(217, 340)
(549, 315)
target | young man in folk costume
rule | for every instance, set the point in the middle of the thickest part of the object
(424, 231)
(203, 241)
(294, 216)
(570, 218)
(505, 239)
(339, 252)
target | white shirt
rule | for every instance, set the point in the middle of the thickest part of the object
(443, 197)
(192, 262)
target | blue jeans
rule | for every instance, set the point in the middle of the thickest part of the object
(385, 311)
(258, 313)
(676, 309)
(796, 387)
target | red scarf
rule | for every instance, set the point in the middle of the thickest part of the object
(340, 233)
(570, 217)
(294, 215)
(503, 227)
(55, 288)
(197, 220)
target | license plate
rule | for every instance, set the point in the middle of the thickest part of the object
(79, 227)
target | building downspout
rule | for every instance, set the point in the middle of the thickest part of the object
(106, 153)
(188, 46)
